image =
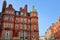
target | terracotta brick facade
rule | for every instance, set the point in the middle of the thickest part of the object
(18, 25)
(56, 30)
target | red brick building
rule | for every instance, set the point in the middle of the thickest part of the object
(19, 25)
(56, 30)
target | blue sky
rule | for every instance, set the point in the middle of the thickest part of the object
(48, 11)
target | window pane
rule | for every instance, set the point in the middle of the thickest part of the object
(28, 26)
(23, 14)
(34, 27)
(21, 27)
(17, 13)
(9, 18)
(7, 34)
(9, 25)
(19, 35)
(16, 26)
(16, 19)
(5, 25)
(24, 25)
(23, 20)
(28, 20)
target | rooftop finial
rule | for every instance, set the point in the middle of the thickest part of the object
(33, 9)
(4, 0)
(4, 6)
(33, 6)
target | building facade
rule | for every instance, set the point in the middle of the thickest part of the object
(48, 34)
(56, 30)
(18, 25)
(42, 38)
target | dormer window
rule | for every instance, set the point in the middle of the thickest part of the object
(23, 14)
(9, 12)
(17, 13)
